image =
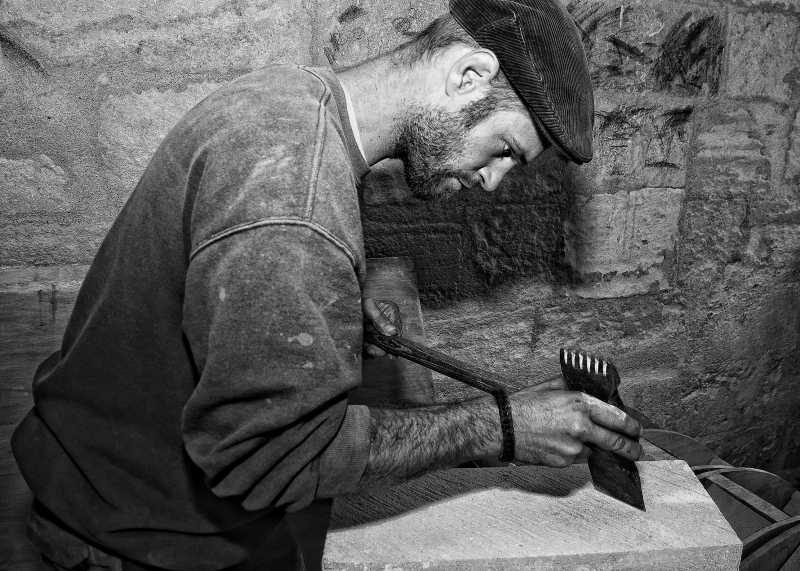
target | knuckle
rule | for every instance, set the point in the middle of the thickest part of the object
(580, 402)
(578, 427)
(560, 462)
(617, 443)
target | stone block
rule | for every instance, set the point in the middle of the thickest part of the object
(513, 232)
(32, 189)
(764, 51)
(385, 185)
(531, 518)
(132, 125)
(651, 45)
(640, 142)
(731, 156)
(352, 31)
(788, 5)
(620, 241)
(777, 246)
(435, 249)
(5, 75)
(73, 239)
(212, 36)
(52, 115)
(33, 278)
(713, 233)
(793, 155)
(513, 240)
(772, 126)
(62, 17)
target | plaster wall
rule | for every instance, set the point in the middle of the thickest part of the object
(675, 253)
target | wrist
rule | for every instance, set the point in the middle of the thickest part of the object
(487, 437)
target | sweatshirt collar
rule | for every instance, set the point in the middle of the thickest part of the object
(359, 163)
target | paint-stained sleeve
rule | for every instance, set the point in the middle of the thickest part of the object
(272, 315)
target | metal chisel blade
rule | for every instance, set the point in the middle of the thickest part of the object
(612, 474)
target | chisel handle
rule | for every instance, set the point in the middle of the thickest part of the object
(441, 363)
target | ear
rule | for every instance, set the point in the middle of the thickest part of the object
(471, 73)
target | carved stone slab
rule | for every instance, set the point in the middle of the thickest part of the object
(532, 518)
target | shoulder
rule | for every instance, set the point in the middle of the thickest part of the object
(265, 98)
(272, 153)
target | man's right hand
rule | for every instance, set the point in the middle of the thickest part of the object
(553, 427)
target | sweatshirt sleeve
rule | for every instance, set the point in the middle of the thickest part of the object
(272, 315)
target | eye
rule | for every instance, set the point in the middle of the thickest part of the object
(507, 152)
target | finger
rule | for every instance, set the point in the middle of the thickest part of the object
(392, 312)
(611, 417)
(389, 308)
(377, 318)
(372, 352)
(584, 454)
(554, 384)
(615, 442)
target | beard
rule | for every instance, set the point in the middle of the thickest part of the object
(431, 142)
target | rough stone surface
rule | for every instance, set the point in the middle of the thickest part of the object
(132, 126)
(5, 75)
(621, 241)
(730, 157)
(790, 6)
(772, 126)
(756, 40)
(352, 31)
(793, 159)
(532, 518)
(639, 142)
(49, 115)
(480, 239)
(519, 331)
(188, 37)
(18, 280)
(32, 188)
(36, 209)
(651, 45)
(71, 239)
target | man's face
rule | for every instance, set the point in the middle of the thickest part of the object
(444, 152)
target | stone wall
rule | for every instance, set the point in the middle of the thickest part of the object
(675, 253)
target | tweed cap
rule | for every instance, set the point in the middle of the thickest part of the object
(540, 50)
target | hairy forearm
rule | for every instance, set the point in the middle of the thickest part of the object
(407, 443)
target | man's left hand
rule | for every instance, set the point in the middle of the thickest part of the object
(385, 317)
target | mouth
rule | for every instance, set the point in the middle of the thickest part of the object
(470, 182)
(450, 185)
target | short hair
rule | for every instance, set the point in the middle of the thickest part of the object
(439, 35)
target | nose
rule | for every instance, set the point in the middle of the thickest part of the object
(492, 175)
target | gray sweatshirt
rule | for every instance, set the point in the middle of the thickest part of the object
(201, 387)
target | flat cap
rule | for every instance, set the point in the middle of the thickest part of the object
(540, 51)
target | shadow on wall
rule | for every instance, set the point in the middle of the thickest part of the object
(472, 243)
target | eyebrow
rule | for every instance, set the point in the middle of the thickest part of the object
(518, 150)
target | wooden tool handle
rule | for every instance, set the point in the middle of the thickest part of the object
(439, 362)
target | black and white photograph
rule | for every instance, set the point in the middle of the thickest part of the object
(399, 285)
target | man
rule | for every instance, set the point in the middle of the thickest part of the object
(200, 393)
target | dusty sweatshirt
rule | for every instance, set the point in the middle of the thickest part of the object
(200, 389)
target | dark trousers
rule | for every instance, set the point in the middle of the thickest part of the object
(295, 545)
